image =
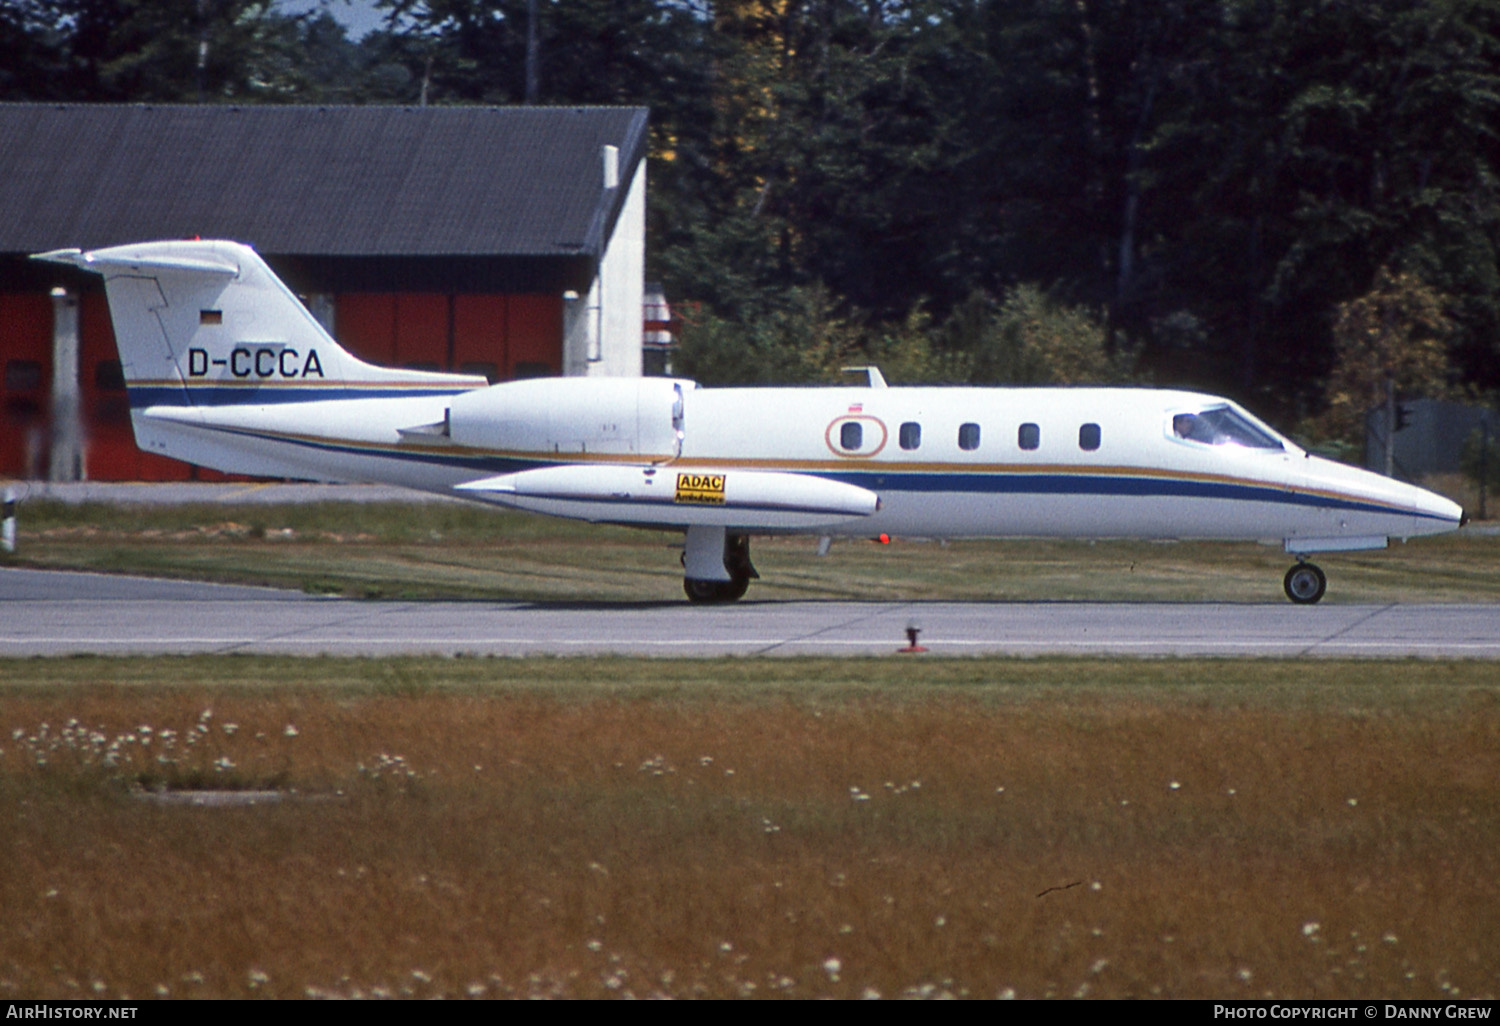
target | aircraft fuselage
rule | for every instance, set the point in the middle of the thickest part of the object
(226, 369)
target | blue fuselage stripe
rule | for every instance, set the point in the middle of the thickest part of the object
(997, 483)
(142, 396)
(1086, 483)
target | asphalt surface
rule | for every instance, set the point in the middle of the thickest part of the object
(56, 614)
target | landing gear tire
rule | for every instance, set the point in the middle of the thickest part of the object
(708, 548)
(1305, 584)
(715, 591)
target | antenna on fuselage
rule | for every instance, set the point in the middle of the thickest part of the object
(873, 377)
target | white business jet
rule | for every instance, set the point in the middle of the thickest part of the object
(227, 369)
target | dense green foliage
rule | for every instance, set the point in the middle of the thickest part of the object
(1197, 186)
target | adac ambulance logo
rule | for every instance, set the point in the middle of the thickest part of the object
(703, 489)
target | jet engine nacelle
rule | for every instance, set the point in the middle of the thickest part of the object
(627, 416)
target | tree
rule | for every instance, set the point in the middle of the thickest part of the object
(1209, 180)
(1308, 146)
(802, 338)
(1392, 341)
(31, 51)
(171, 51)
(1030, 339)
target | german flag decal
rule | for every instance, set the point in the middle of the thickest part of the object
(701, 489)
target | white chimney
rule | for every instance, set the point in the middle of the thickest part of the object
(611, 155)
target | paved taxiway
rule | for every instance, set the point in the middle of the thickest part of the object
(49, 613)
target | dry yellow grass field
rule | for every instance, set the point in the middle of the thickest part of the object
(495, 828)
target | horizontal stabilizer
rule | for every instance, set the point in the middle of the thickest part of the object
(428, 434)
(121, 258)
(751, 499)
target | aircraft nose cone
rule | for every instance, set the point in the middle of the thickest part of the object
(1446, 509)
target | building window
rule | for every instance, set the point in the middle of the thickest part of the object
(112, 409)
(1029, 437)
(851, 434)
(22, 375)
(910, 435)
(490, 371)
(968, 436)
(1088, 437)
(108, 377)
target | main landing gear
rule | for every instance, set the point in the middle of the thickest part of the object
(715, 591)
(717, 565)
(1305, 583)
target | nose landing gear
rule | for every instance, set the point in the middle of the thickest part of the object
(1305, 583)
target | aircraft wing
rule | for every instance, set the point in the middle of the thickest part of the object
(673, 496)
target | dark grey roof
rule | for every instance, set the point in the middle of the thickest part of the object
(316, 181)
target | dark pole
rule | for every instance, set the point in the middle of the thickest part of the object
(533, 73)
(202, 49)
(1484, 466)
(1390, 426)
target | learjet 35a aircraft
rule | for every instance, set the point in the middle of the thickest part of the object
(227, 369)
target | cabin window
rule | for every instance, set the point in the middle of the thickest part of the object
(1221, 425)
(968, 436)
(910, 435)
(1029, 437)
(1088, 437)
(851, 434)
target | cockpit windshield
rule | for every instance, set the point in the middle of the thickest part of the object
(1222, 425)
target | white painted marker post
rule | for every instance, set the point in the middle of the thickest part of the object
(8, 530)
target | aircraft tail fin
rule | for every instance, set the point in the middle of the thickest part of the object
(207, 323)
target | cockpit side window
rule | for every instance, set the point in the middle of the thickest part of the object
(1221, 425)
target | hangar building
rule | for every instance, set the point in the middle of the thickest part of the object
(507, 241)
